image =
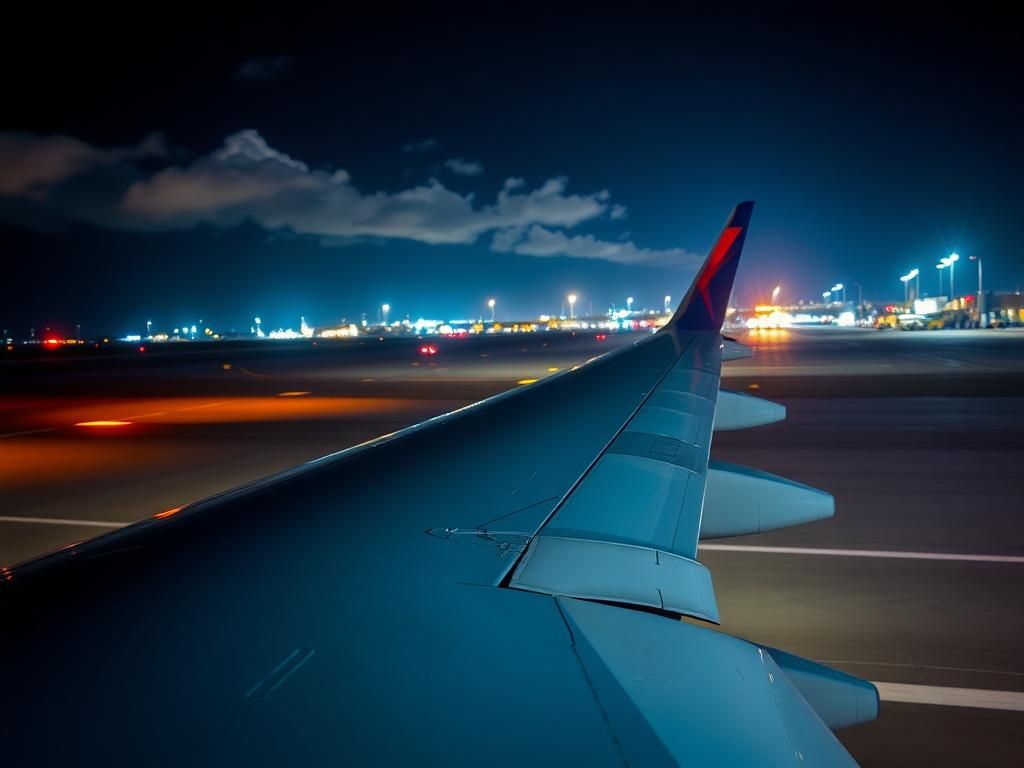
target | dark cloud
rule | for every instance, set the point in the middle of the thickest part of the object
(461, 167)
(416, 147)
(30, 164)
(258, 68)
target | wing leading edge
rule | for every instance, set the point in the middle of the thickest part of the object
(385, 573)
(628, 531)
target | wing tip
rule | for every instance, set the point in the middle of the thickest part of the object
(741, 214)
(704, 306)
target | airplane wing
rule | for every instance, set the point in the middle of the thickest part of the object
(501, 585)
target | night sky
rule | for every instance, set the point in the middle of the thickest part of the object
(183, 167)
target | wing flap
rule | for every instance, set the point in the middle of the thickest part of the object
(616, 572)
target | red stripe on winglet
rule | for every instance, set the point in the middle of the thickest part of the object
(715, 262)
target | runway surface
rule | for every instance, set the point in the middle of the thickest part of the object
(916, 583)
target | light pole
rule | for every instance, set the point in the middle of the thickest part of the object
(385, 308)
(981, 294)
(491, 303)
(668, 301)
(572, 306)
(149, 329)
(629, 304)
(840, 287)
(775, 293)
(826, 295)
(905, 279)
(952, 259)
(941, 266)
(860, 301)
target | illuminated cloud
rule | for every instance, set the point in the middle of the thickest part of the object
(539, 241)
(461, 167)
(618, 212)
(30, 165)
(249, 180)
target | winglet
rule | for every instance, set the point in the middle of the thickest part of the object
(703, 308)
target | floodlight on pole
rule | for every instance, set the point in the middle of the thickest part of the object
(906, 283)
(629, 303)
(491, 303)
(572, 306)
(668, 302)
(385, 308)
(775, 293)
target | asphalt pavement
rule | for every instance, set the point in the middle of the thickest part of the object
(916, 583)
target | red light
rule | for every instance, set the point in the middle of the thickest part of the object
(142, 349)
(428, 349)
(602, 337)
(53, 342)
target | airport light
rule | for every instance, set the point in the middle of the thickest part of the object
(668, 301)
(572, 306)
(840, 287)
(385, 308)
(981, 294)
(941, 266)
(775, 294)
(826, 295)
(952, 259)
(629, 304)
(860, 301)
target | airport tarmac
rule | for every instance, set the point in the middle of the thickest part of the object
(916, 583)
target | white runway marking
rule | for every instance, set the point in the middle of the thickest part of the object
(205, 405)
(947, 361)
(61, 521)
(28, 432)
(975, 670)
(882, 553)
(974, 698)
